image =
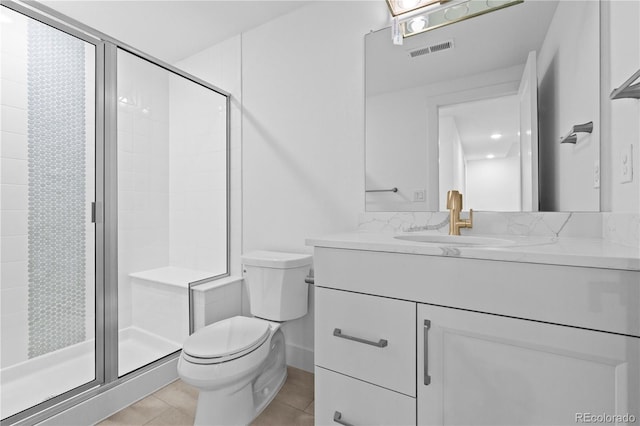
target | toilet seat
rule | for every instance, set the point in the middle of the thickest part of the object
(225, 340)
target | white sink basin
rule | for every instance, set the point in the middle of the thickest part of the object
(456, 240)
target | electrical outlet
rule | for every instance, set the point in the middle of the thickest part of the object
(419, 195)
(596, 174)
(626, 164)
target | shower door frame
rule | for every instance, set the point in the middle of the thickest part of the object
(106, 208)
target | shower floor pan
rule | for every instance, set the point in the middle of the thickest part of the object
(39, 379)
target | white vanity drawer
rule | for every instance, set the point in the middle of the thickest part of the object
(367, 337)
(343, 399)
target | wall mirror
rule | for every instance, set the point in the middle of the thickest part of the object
(482, 106)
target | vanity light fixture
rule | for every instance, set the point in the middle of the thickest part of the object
(411, 17)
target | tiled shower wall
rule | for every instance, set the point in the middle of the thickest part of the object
(198, 156)
(15, 202)
(171, 175)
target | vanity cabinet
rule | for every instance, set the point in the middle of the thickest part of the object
(477, 368)
(412, 339)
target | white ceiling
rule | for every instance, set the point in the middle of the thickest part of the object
(477, 121)
(172, 30)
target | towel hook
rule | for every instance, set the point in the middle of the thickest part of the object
(628, 90)
(571, 137)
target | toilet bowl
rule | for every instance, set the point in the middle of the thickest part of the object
(238, 364)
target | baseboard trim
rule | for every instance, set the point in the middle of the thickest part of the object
(300, 357)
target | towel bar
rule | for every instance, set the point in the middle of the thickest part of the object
(382, 190)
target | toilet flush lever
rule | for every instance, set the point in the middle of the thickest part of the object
(380, 343)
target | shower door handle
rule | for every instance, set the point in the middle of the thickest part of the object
(96, 212)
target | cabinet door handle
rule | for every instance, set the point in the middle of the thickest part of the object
(427, 377)
(380, 343)
(337, 417)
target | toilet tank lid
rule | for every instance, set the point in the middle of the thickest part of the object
(275, 259)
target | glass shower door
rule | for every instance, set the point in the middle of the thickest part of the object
(48, 266)
(172, 204)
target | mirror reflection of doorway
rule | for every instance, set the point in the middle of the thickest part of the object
(488, 148)
(479, 146)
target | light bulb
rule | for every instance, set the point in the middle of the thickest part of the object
(418, 24)
(496, 136)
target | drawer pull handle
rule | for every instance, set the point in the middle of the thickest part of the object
(337, 417)
(380, 343)
(427, 377)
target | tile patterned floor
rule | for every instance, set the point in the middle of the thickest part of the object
(175, 405)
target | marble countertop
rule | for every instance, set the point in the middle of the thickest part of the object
(586, 252)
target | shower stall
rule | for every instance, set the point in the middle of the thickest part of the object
(114, 200)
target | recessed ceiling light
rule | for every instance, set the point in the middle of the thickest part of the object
(490, 156)
(496, 136)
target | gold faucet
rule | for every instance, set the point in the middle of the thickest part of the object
(454, 204)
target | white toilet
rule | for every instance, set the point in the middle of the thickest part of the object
(238, 364)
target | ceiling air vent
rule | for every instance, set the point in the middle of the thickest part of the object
(438, 47)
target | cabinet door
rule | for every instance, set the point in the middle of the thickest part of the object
(486, 369)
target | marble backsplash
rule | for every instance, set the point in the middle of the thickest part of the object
(620, 228)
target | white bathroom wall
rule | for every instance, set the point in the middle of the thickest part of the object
(621, 60)
(143, 173)
(303, 120)
(569, 94)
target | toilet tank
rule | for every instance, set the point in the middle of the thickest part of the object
(275, 283)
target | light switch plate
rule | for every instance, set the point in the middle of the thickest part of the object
(626, 164)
